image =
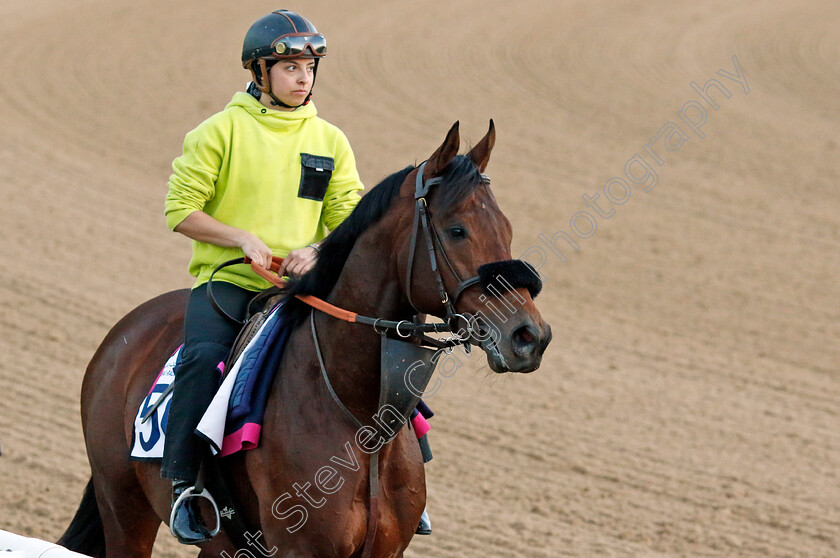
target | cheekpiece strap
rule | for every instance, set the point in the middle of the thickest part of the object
(421, 187)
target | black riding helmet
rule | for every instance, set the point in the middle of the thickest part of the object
(281, 35)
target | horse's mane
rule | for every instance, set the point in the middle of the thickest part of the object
(461, 177)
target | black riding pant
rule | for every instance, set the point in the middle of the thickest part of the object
(208, 338)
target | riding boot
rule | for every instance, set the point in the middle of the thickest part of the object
(186, 522)
(425, 527)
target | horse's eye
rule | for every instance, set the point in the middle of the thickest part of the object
(457, 232)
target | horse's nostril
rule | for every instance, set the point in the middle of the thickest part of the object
(525, 340)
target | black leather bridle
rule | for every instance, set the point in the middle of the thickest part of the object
(423, 219)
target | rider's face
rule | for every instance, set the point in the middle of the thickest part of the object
(291, 81)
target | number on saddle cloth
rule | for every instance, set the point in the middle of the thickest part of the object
(153, 414)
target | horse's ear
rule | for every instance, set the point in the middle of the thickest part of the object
(480, 154)
(444, 154)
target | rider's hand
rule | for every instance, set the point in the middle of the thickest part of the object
(257, 250)
(298, 262)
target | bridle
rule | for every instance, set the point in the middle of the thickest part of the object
(423, 219)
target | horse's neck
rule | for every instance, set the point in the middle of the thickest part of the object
(352, 351)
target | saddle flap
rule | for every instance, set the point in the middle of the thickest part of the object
(406, 371)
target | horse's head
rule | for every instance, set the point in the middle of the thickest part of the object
(458, 265)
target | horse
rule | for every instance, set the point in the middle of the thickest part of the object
(374, 263)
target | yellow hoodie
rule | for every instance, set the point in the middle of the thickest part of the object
(286, 177)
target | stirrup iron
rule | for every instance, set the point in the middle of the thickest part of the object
(190, 493)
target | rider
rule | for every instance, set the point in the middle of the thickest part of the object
(264, 177)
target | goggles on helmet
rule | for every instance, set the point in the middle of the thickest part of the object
(289, 46)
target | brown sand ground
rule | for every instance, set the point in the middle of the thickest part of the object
(689, 403)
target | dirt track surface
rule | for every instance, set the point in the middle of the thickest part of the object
(688, 405)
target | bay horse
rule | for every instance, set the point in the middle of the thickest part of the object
(375, 264)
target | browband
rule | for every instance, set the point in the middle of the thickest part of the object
(421, 187)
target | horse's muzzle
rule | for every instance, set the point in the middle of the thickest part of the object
(517, 349)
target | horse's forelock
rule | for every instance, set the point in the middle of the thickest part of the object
(460, 180)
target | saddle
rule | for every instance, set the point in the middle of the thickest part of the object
(258, 310)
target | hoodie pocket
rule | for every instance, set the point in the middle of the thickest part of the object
(315, 174)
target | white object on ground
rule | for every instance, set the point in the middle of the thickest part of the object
(23, 547)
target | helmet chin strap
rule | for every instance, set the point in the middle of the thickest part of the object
(266, 86)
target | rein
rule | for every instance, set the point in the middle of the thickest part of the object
(402, 328)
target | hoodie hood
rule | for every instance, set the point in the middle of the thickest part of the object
(277, 119)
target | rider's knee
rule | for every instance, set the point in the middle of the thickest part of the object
(205, 354)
